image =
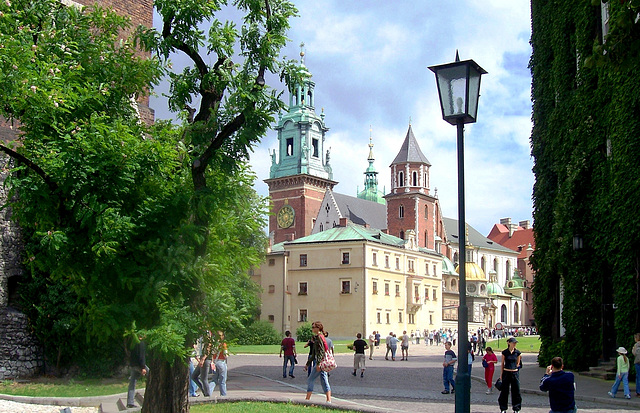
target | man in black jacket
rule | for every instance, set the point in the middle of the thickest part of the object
(137, 368)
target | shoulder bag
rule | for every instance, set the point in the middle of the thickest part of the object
(328, 363)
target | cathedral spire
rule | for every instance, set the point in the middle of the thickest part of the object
(371, 192)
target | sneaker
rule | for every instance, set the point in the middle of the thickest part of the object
(627, 396)
(292, 376)
(362, 375)
(130, 406)
(284, 376)
(453, 391)
(445, 392)
(353, 374)
(488, 391)
(611, 394)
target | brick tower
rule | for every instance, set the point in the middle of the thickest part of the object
(302, 174)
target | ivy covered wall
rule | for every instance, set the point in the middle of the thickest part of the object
(586, 147)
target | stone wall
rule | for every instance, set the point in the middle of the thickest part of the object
(20, 354)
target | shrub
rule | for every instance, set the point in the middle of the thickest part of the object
(304, 333)
(259, 333)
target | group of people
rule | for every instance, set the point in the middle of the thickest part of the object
(622, 369)
(208, 366)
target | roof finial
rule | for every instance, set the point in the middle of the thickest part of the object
(457, 56)
(409, 120)
(302, 53)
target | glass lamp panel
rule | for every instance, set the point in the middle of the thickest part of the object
(474, 91)
(452, 84)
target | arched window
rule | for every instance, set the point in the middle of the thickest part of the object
(455, 257)
(516, 318)
(495, 265)
(401, 179)
(426, 239)
(401, 211)
(401, 234)
(454, 285)
(426, 212)
(321, 227)
(414, 178)
(503, 314)
(483, 265)
(508, 268)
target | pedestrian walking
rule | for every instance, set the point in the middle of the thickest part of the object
(622, 374)
(318, 350)
(404, 346)
(489, 362)
(200, 374)
(561, 387)
(359, 346)
(470, 357)
(372, 343)
(447, 369)
(288, 346)
(393, 346)
(137, 368)
(219, 365)
(636, 354)
(510, 377)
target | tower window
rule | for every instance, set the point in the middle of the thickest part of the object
(414, 178)
(401, 211)
(401, 179)
(426, 212)
(314, 142)
(401, 235)
(289, 146)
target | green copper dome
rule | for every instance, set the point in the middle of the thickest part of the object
(447, 267)
(371, 191)
(516, 281)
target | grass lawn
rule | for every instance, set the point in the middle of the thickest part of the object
(255, 407)
(526, 344)
(51, 387)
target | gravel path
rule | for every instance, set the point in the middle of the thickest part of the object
(13, 407)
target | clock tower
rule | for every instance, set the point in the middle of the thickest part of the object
(300, 172)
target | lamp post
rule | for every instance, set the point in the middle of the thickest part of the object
(459, 90)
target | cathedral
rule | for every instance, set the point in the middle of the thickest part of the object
(375, 261)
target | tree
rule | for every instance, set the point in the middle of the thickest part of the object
(151, 227)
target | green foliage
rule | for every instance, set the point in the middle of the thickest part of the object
(304, 333)
(259, 333)
(585, 144)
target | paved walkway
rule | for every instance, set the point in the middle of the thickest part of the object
(405, 386)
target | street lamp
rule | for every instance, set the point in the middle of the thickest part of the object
(459, 90)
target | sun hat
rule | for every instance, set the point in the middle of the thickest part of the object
(622, 350)
(512, 340)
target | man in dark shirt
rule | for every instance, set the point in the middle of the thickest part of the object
(137, 367)
(358, 358)
(561, 387)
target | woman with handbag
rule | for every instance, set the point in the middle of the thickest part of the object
(489, 362)
(510, 377)
(319, 356)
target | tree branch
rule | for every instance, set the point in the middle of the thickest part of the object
(53, 187)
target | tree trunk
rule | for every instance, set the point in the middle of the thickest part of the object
(166, 390)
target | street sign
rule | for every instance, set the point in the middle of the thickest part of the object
(499, 326)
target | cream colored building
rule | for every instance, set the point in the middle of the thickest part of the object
(354, 279)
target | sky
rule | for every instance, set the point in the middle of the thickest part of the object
(369, 62)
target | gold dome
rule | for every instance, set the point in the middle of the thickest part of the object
(472, 272)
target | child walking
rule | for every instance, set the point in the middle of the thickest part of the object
(447, 369)
(622, 375)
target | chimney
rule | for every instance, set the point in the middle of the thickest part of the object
(524, 224)
(505, 221)
(512, 228)
(343, 222)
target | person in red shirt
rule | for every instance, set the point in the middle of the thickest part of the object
(288, 345)
(490, 359)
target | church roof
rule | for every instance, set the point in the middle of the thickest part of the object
(472, 272)
(475, 238)
(361, 211)
(410, 151)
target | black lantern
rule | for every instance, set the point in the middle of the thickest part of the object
(459, 90)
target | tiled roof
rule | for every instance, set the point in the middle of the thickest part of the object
(361, 211)
(352, 232)
(410, 151)
(475, 238)
(520, 237)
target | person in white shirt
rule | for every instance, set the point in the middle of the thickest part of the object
(405, 346)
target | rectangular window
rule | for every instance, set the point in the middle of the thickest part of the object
(272, 289)
(430, 318)
(434, 270)
(272, 262)
(271, 318)
(386, 261)
(289, 149)
(375, 259)
(345, 287)
(410, 265)
(314, 144)
(426, 268)
(302, 288)
(399, 316)
(397, 290)
(345, 258)
(434, 297)
(426, 294)
(378, 318)
(412, 318)
(303, 260)
(416, 292)
(302, 315)
(375, 287)
(386, 288)
(397, 263)
(388, 318)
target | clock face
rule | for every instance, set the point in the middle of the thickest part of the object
(471, 288)
(285, 216)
